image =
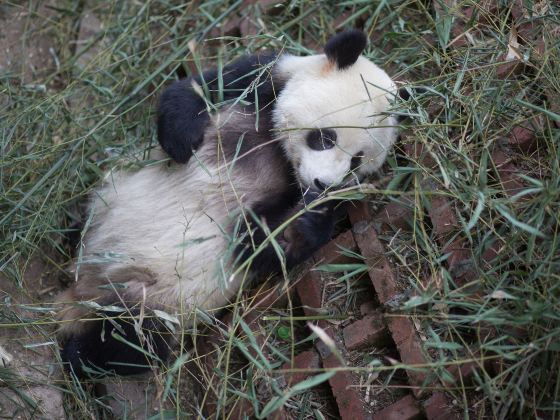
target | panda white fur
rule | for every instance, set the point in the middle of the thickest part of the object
(170, 237)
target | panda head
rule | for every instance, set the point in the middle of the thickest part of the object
(331, 116)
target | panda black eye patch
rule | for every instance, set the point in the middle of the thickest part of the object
(321, 139)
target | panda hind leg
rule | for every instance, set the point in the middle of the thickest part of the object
(115, 345)
(300, 239)
(97, 342)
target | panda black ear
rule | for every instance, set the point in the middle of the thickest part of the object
(345, 48)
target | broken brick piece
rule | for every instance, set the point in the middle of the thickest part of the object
(348, 397)
(331, 253)
(438, 407)
(523, 137)
(410, 349)
(383, 279)
(372, 250)
(307, 360)
(404, 409)
(248, 28)
(242, 409)
(396, 214)
(458, 254)
(507, 172)
(443, 218)
(310, 287)
(368, 331)
(486, 12)
(509, 67)
(359, 212)
(310, 292)
(464, 372)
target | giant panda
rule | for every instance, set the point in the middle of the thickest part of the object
(190, 232)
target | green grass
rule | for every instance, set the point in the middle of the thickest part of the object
(63, 127)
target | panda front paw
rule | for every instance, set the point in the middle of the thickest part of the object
(316, 225)
(310, 231)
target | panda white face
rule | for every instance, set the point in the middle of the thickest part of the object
(331, 121)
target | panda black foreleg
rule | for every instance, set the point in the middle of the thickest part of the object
(298, 241)
(182, 111)
(182, 119)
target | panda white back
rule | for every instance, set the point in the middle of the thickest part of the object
(169, 237)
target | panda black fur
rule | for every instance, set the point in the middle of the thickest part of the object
(170, 237)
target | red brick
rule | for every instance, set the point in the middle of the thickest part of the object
(518, 10)
(331, 253)
(438, 407)
(368, 331)
(307, 360)
(410, 349)
(509, 67)
(445, 224)
(252, 319)
(359, 212)
(380, 271)
(242, 409)
(404, 409)
(395, 215)
(443, 217)
(491, 252)
(348, 397)
(507, 172)
(523, 136)
(310, 291)
(310, 287)
(459, 253)
(463, 373)
(383, 280)
(460, 264)
(526, 30)
(230, 27)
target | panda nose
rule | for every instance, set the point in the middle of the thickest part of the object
(320, 185)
